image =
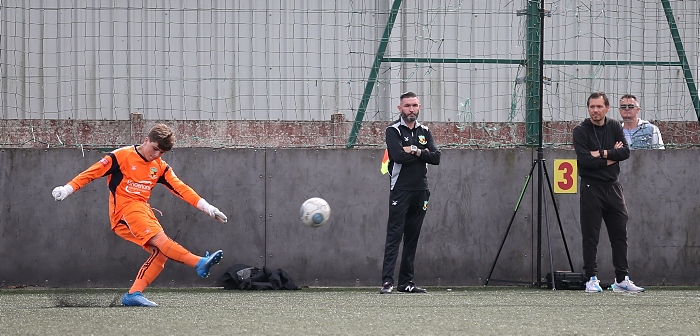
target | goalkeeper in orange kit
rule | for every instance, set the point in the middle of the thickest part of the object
(132, 172)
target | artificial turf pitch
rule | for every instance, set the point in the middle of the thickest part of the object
(352, 311)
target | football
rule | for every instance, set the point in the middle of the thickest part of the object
(314, 212)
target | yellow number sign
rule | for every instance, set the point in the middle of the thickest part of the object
(565, 176)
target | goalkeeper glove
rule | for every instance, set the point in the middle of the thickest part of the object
(60, 193)
(211, 210)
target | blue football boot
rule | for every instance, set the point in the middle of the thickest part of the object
(136, 299)
(207, 262)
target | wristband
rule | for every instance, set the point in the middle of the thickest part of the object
(601, 153)
(414, 149)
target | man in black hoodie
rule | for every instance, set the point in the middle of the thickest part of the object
(600, 145)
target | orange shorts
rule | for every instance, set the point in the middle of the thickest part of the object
(137, 224)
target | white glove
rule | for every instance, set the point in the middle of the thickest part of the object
(211, 210)
(60, 193)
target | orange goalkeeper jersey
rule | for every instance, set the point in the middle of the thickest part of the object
(130, 178)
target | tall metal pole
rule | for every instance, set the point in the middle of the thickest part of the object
(540, 152)
(534, 64)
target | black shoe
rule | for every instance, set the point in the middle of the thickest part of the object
(387, 287)
(410, 287)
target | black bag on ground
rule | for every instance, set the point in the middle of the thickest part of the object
(245, 277)
(567, 280)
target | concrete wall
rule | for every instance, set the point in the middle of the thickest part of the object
(474, 193)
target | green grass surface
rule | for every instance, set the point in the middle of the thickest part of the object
(352, 311)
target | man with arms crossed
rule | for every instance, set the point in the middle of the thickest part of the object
(411, 148)
(600, 144)
(132, 172)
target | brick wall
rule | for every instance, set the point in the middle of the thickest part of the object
(43, 133)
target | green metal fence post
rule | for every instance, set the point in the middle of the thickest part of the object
(681, 56)
(534, 76)
(373, 74)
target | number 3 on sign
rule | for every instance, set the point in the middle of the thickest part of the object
(565, 176)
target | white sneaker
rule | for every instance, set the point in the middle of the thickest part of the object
(626, 286)
(593, 285)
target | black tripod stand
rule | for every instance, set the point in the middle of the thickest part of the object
(542, 176)
(541, 171)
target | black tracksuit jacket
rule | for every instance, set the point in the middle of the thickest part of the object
(409, 172)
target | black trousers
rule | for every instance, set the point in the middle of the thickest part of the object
(604, 202)
(406, 213)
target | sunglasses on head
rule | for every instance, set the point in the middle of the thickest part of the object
(627, 107)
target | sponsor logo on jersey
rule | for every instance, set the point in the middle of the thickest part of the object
(421, 140)
(104, 161)
(133, 187)
(425, 205)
